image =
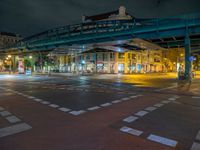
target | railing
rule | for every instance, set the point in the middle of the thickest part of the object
(109, 26)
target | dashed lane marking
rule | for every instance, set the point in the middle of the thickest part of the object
(172, 98)
(53, 105)
(64, 109)
(171, 87)
(131, 131)
(5, 113)
(125, 99)
(76, 113)
(165, 102)
(116, 101)
(106, 104)
(13, 119)
(37, 100)
(162, 140)
(196, 97)
(93, 108)
(133, 96)
(45, 102)
(141, 113)
(130, 119)
(14, 129)
(151, 108)
(159, 105)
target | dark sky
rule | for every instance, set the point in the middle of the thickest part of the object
(31, 16)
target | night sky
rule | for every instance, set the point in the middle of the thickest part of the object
(28, 17)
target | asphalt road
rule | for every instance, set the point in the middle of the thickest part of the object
(89, 112)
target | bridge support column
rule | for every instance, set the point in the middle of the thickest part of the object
(187, 54)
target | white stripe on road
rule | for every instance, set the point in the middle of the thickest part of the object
(5, 113)
(196, 97)
(171, 87)
(162, 140)
(106, 104)
(116, 101)
(37, 100)
(131, 131)
(165, 102)
(195, 146)
(172, 98)
(141, 113)
(76, 113)
(93, 108)
(14, 129)
(125, 99)
(13, 119)
(159, 105)
(133, 96)
(64, 109)
(53, 105)
(45, 102)
(130, 119)
(176, 96)
(31, 97)
(151, 108)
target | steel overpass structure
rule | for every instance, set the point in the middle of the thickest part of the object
(180, 31)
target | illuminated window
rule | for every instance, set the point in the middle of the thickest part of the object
(121, 55)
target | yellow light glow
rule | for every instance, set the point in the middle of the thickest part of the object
(9, 56)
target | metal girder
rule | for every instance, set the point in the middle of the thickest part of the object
(104, 31)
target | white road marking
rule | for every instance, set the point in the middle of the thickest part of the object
(195, 146)
(14, 129)
(159, 105)
(196, 97)
(165, 102)
(116, 101)
(1, 109)
(125, 99)
(106, 104)
(141, 113)
(151, 108)
(162, 140)
(31, 97)
(5, 113)
(93, 108)
(134, 96)
(37, 100)
(64, 109)
(172, 98)
(76, 113)
(176, 96)
(13, 119)
(171, 87)
(45, 102)
(198, 136)
(130, 119)
(53, 105)
(131, 131)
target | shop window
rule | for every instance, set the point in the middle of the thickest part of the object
(134, 56)
(121, 55)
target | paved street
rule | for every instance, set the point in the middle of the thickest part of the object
(101, 112)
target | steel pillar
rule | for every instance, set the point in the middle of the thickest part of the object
(187, 54)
